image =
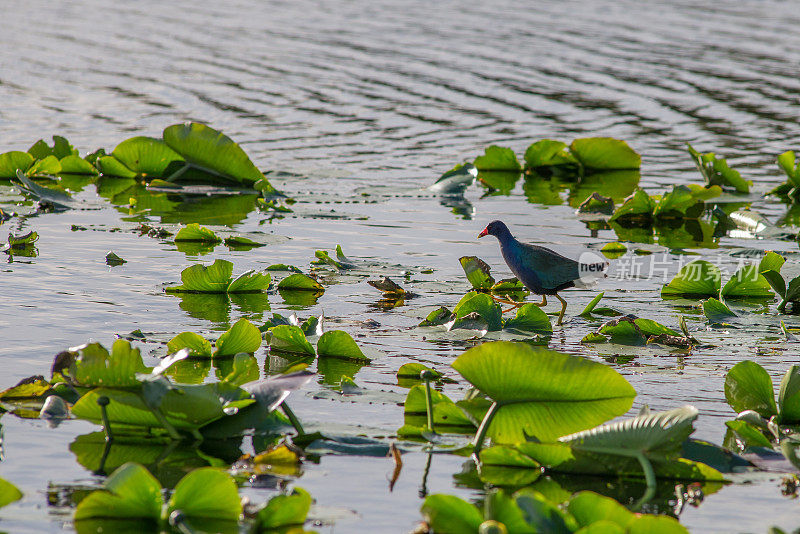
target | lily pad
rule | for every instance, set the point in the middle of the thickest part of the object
(605, 153)
(300, 282)
(212, 151)
(195, 233)
(289, 339)
(695, 279)
(715, 171)
(497, 158)
(524, 381)
(339, 344)
(478, 272)
(243, 336)
(147, 156)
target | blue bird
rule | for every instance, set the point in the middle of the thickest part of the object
(540, 269)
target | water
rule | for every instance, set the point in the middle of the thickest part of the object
(380, 98)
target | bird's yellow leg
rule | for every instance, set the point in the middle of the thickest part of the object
(563, 309)
(501, 300)
(543, 303)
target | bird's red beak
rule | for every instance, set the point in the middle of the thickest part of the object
(485, 232)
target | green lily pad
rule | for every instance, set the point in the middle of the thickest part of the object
(61, 148)
(497, 158)
(549, 153)
(195, 233)
(284, 511)
(695, 279)
(74, 164)
(212, 151)
(8, 493)
(209, 493)
(791, 167)
(530, 318)
(478, 272)
(300, 282)
(717, 311)
(715, 171)
(147, 156)
(749, 387)
(243, 336)
(11, 162)
(339, 344)
(637, 208)
(130, 492)
(789, 396)
(198, 346)
(94, 366)
(439, 316)
(214, 278)
(747, 282)
(483, 305)
(49, 166)
(605, 153)
(448, 417)
(290, 339)
(524, 380)
(111, 166)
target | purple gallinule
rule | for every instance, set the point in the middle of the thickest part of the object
(540, 269)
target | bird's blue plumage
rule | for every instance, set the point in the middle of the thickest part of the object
(542, 270)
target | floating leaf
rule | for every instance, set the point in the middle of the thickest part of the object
(543, 393)
(789, 396)
(605, 153)
(195, 232)
(33, 387)
(483, 305)
(111, 166)
(450, 515)
(497, 158)
(747, 282)
(300, 282)
(530, 318)
(549, 153)
(717, 311)
(130, 492)
(48, 166)
(749, 387)
(698, 278)
(447, 415)
(8, 493)
(212, 151)
(249, 282)
(597, 203)
(638, 207)
(214, 278)
(22, 241)
(437, 317)
(11, 162)
(198, 346)
(114, 260)
(478, 272)
(94, 366)
(147, 156)
(284, 511)
(286, 338)
(339, 344)
(74, 164)
(208, 493)
(243, 336)
(715, 171)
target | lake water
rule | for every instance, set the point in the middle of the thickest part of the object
(360, 106)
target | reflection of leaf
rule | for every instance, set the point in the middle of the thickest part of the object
(214, 307)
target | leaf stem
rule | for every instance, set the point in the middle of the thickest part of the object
(293, 419)
(481, 434)
(103, 403)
